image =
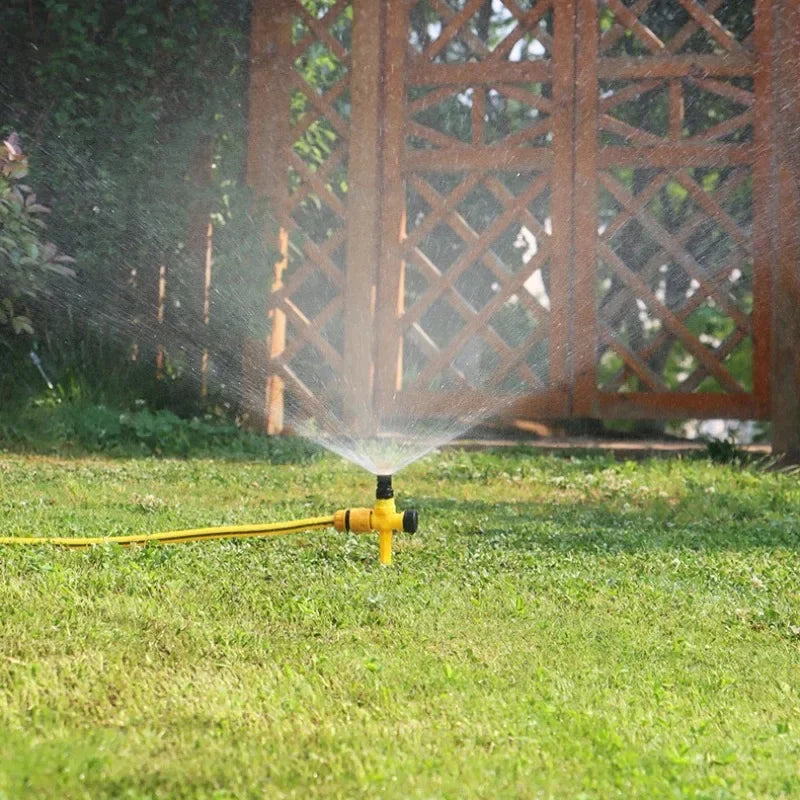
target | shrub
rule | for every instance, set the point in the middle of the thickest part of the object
(27, 260)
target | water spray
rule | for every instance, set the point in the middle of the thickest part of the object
(37, 362)
(383, 518)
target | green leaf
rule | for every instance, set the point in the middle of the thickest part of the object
(21, 324)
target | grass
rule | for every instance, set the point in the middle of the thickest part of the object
(558, 628)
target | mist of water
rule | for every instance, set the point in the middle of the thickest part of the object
(671, 285)
(426, 412)
(475, 381)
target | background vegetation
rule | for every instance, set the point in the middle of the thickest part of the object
(134, 116)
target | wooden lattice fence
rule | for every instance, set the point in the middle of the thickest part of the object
(580, 197)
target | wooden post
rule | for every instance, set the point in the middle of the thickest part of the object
(765, 135)
(196, 279)
(267, 155)
(208, 262)
(160, 305)
(393, 227)
(786, 295)
(584, 322)
(363, 216)
(562, 254)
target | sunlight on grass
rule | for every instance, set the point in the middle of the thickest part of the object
(558, 628)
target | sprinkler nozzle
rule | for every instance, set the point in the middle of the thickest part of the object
(410, 521)
(384, 490)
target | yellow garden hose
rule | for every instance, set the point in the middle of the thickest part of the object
(178, 537)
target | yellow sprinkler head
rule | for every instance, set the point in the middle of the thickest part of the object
(383, 518)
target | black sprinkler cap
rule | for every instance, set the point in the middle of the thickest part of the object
(384, 490)
(410, 521)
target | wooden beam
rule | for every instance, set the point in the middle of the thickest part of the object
(671, 66)
(584, 330)
(786, 363)
(363, 216)
(443, 404)
(267, 151)
(562, 204)
(786, 296)
(673, 405)
(477, 73)
(679, 156)
(764, 196)
(467, 157)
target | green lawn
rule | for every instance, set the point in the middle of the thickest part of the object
(558, 628)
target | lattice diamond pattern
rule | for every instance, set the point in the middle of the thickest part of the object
(675, 27)
(451, 31)
(316, 207)
(506, 116)
(675, 272)
(691, 110)
(675, 265)
(491, 227)
(473, 312)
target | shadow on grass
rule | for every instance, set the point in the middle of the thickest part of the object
(78, 431)
(730, 521)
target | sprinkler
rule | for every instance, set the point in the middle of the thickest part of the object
(383, 518)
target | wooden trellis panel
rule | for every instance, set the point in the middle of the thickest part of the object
(497, 175)
(481, 96)
(675, 267)
(299, 155)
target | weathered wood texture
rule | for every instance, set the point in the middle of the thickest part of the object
(267, 146)
(786, 295)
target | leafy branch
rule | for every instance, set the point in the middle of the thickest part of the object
(26, 259)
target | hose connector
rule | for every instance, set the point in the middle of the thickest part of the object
(368, 520)
(410, 520)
